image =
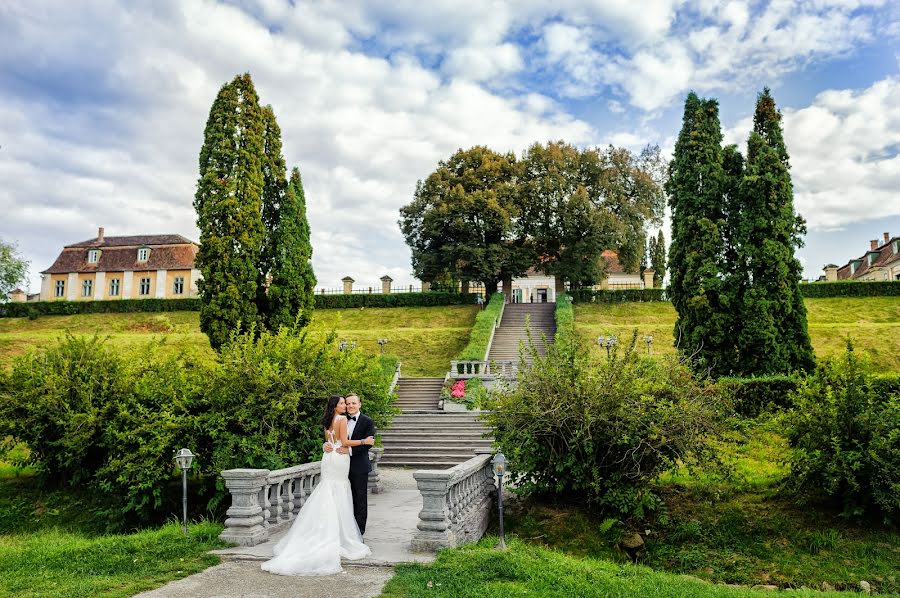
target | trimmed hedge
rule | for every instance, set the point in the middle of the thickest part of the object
(753, 396)
(613, 296)
(854, 288)
(67, 308)
(481, 330)
(565, 317)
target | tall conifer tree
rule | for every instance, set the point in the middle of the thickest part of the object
(274, 189)
(228, 204)
(774, 337)
(291, 293)
(658, 258)
(695, 186)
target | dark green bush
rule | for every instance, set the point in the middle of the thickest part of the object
(844, 432)
(599, 429)
(35, 309)
(613, 296)
(847, 288)
(565, 316)
(95, 417)
(753, 396)
(427, 299)
(481, 330)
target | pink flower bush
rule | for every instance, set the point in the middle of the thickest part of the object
(459, 389)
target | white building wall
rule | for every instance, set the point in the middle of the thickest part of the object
(127, 281)
(99, 285)
(70, 286)
(46, 293)
(195, 276)
(161, 283)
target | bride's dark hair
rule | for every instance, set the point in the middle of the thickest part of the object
(333, 400)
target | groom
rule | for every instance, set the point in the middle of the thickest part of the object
(359, 427)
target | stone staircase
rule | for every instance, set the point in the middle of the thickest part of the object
(512, 330)
(423, 437)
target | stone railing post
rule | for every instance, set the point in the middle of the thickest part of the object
(348, 285)
(648, 278)
(375, 484)
(244, 525)
(386, 284)
(433, 531)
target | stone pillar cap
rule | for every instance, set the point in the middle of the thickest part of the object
(347, 279)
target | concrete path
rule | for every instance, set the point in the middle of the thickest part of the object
(393, 516)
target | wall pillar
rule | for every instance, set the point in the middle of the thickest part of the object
(426, 286)
(127, 282)
(161, 284)
(46, 291)
(648, 278)
(71, 284)
(831, 273)
(386, 284)
(348, 285)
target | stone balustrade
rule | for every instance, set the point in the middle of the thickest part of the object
(456, 504)
(264, 502)
(484, 369)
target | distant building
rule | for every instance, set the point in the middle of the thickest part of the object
(133, 267)
(881, 262)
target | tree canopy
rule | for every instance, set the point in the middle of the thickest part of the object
(13, 268)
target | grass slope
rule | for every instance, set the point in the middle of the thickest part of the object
(424, 338)
(873, 323)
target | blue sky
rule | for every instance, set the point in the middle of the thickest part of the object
(103, 104)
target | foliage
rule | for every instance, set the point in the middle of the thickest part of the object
(845, 439)
(460, 222)
(67, 308)
(466, 391)
(57, 564)
(601, 429)
(565, 316)
(657, 251)
(848, 288)
(756, 395)
(91, 416)
(229, 211)
(480, 335)
(773, 336)
(615, 296)
(13, 269)
(291, 295)
(427, 299)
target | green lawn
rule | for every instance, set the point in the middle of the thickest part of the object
(873, 323)
(424, 338)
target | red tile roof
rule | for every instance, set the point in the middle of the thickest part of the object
(135, 240)
(119, 259)
(885, 255)
(613, 265)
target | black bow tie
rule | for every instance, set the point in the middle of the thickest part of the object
(352, 417)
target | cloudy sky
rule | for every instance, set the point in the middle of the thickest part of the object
(103, 104)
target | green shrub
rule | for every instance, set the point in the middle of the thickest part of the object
(845, 437)
(565, 316)
(851, 288)
(94, 417)
(581, 424)
(427, 299)
(481, 330)
(753, 396)
(614, 296)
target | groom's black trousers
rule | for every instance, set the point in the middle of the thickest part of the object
(359, 482)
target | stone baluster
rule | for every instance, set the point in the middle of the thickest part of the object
(375, 484)
(287, 500)
(244, 525)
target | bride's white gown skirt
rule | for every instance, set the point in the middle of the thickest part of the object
(325, 530)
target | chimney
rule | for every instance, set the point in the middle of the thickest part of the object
(887, 238)
(100, 235)
(873, 244)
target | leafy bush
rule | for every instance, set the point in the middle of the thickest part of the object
(602, 428)
(852, 288)
(753, 396)
(469, 392)
(845, 436)
(481, 330)
(613, 296)
(92, 416)
(427, 299)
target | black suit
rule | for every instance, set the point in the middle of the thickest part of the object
(359, 470)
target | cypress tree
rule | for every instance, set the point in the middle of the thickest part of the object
(291, 292)
(273, 196)
(658, 258)
(696, 185)
(228, 204)
(774, 338)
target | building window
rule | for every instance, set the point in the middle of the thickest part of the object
(145, 286)
(178, 287)
(87, 288)
(143, 254)
(114, 287)
(60, 288)
(93, 256)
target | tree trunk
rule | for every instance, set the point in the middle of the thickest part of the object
(490, 287)
(465, 287)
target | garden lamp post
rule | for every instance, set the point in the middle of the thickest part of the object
(343, 346)
(648, 339)
(184, 458)
(499, 463)
(383, 342)
(608, 342)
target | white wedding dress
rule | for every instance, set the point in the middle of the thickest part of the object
(325, 530)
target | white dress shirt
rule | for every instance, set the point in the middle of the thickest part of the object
(351, 425)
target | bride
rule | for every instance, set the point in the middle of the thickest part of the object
(325, 530)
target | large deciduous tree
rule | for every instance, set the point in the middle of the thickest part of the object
(291, 292)
(460, 224)
(774, 337)
(13, 268)
(697, 287)
(229, 211)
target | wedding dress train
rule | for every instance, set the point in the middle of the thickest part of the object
(325, 530)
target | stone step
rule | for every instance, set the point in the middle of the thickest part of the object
(400, 439)
(419, 453)
(420, 457)
(431, 465)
